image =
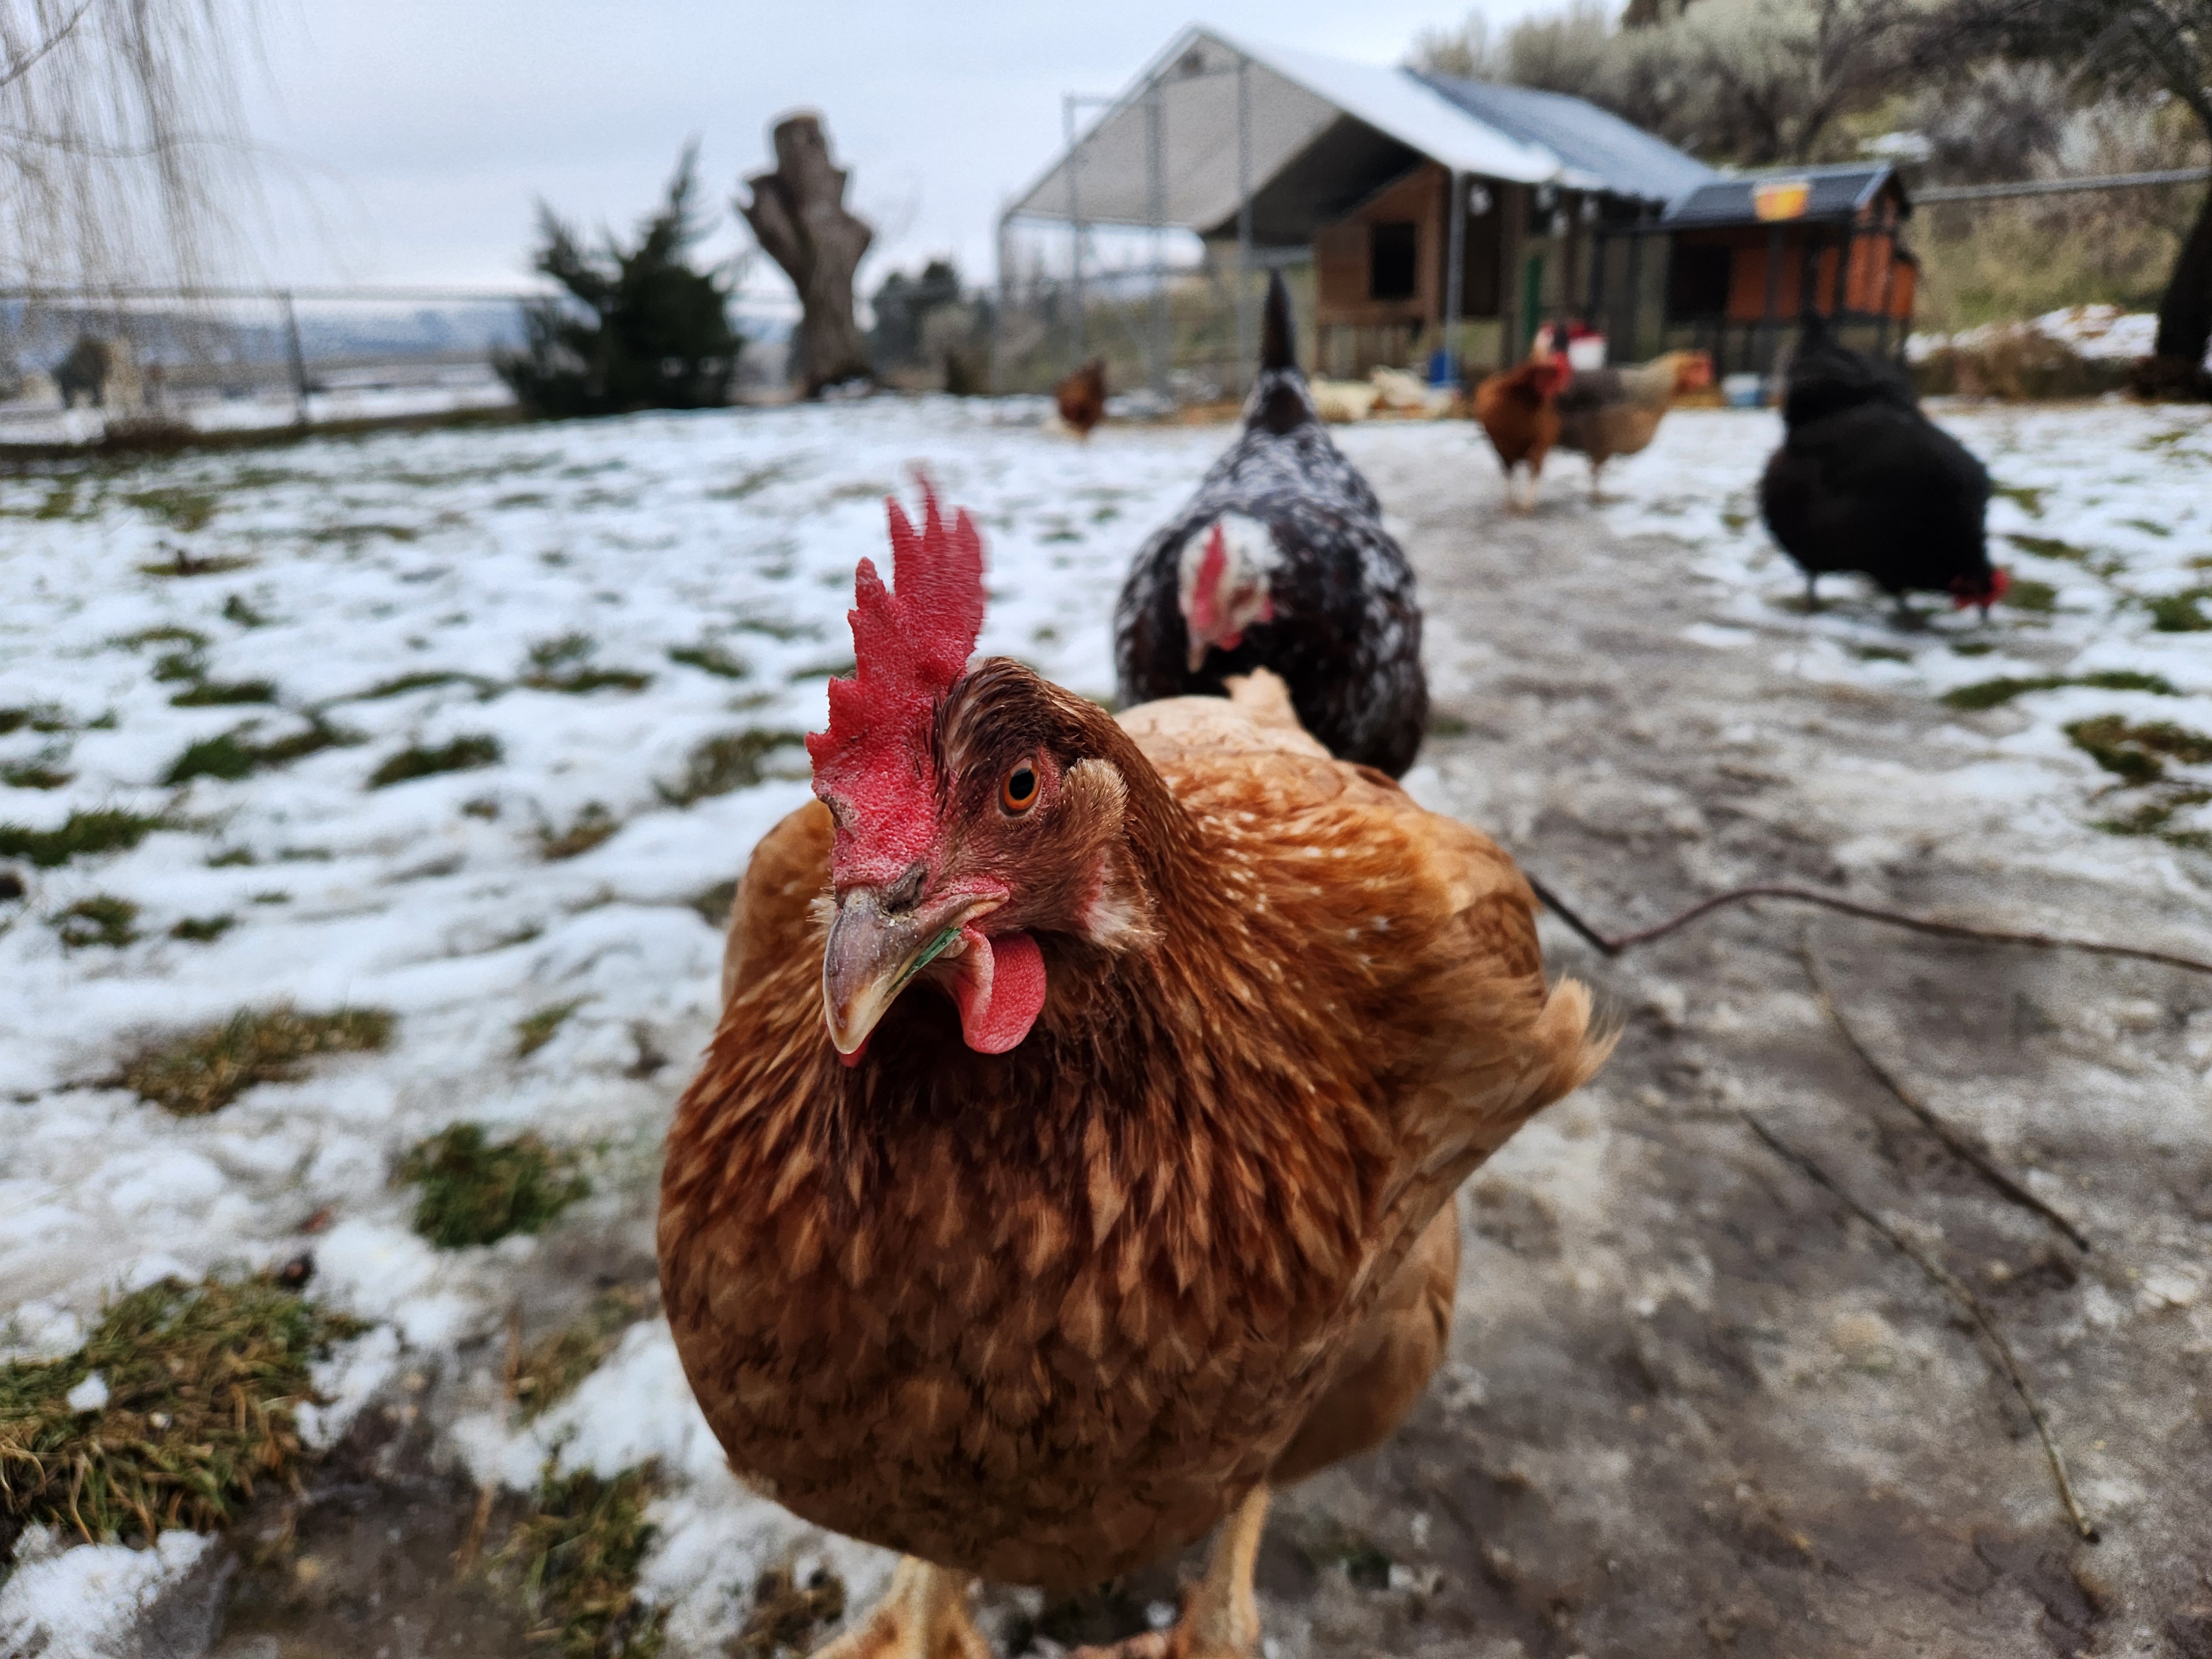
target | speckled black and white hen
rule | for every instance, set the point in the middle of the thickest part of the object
(1280, 562)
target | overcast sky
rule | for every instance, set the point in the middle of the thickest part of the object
(405, 140)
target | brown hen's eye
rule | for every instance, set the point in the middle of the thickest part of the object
(1019, 792)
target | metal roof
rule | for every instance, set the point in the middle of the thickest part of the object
(1294, 98)
(1830, 192)
(1628, 161)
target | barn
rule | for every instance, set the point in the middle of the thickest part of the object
(1437, 213)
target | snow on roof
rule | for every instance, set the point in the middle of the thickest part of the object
(1294, 97)
(1594, 142)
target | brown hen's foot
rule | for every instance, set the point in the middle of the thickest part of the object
(923, 1615)
(1221, 1617)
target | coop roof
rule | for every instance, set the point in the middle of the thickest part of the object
(1736, 198)
(1592, 142)
(1295, 100)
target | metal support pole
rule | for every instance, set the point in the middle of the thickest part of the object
(1596, 308)
(1454, 273)
(1840, 303)
(1156, 182)
(1763, 352)
(1635, 296)
(1246, 350)
(299, 360)
(998, 311)
(1074, 225)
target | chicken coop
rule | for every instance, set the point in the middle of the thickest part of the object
(1748, 253)
(1431, 213)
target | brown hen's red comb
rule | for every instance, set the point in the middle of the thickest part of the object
(909, 647)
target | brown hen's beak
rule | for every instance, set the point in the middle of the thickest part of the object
(872, 952)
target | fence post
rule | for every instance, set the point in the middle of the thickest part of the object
(1454, 272)
(299, 361)
(1247, 351)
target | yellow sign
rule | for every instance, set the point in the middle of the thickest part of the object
(1783, 199)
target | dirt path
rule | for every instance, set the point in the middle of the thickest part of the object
(1694, 1408)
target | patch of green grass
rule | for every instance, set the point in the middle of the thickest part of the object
(827, 668)
(202, 1071)
(2136, 754)
(82, 835)
(574, 1561)
(750, 484)
(190, 639)
(1974, 647)
(2028, 594)
(2180, 613)
(785, 1614)
(177, 506)
(558, 665)
(2153, 818)
(533, 1031)
(776, 629)
(174, 667)
(1446, 726)
(721, 764)
(2048, 547)
(45, 717)
(204, 1382)
(202, 930)
(594, 826)
(2027, 499)
(523, 498)
(60, 502)
(232, 855)
(356, 535)
(463, 754)
(548, 1372)
(1988, 694)
(477, 1191)
(2149, 527)
(234, 755)
(1881, 653)
(34, 774)
(182, 562)
(711, 659)
(99, 920)
(222, 694)
(423, 680)
(237, 608)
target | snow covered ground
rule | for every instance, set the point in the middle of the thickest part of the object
(401, 590)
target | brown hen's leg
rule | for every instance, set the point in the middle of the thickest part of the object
(923, 1615)
(1221, 1616)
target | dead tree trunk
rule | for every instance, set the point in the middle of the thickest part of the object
(2185, 320)
(797, 215)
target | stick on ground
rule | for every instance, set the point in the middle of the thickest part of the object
(1962, 1144)
(1613, 944)
(1960, 1293)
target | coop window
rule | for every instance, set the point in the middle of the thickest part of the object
(1698, 281)
(1390, 259)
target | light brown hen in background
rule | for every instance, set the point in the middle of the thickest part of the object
(1605, 412)
(1075, 1157)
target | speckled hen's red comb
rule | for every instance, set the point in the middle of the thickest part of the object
(910, 647)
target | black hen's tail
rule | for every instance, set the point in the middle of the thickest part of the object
(1279, 335)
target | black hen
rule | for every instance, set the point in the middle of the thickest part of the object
(1280, 562)
(1865, 482)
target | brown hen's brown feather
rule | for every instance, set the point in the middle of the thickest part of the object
(1047, 1315)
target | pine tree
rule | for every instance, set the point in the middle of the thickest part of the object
(640, 329)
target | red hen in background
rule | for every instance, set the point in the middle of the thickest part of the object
(1519, 407)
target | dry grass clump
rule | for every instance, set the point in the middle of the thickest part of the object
(476, 1190)
(463, 754)
(548, 1372)
(203, 1071)
(732, 761)
(593, 827)
(202, 1384)
(83, 834)
(785, 1613)
(573, 1560)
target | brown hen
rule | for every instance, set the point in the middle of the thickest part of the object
(1074, 1159)
(1519, 409)
(1081, 397)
